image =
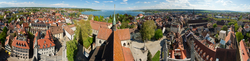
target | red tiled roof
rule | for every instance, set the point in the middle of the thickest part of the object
(96, 24)
(127, 54)
(244, 51)
(228, 37)
(123, 34)
(56, 30)
(24, 44)
(117, 50)
(40, 19)
(104, 33)
(205, 49)
(46, 42)
(68, 29)
(25, 25)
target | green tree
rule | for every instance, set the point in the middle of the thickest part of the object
(240, 17)
(239, 36)
(132, 26)
(3, 35)
(83, 30)
(224, 28)
(236, 27)
(101, 18)
(90, 17)
(158, 34)
(216, 35)
(148, 30)
(78, 14)
(96, 18)
(71, 49)
(231, 23)
(215, 25)
(149, 56)
(124, 25)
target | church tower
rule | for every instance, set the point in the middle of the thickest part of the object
(114, 21)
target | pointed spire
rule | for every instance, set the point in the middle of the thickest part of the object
(114, 21)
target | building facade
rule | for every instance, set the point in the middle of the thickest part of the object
(44, 43)
(20, 47)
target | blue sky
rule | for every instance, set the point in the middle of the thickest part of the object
(234, 5)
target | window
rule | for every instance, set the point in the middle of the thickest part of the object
(128, 43)
(124, 44)
(100, 41)
(207, 57)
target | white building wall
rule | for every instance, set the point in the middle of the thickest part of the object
(47, 51)
(58, 36)
(99, 42)
(126, 43)
(222, 35)
(68, 35)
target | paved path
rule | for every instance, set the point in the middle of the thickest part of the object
(80, 56)
(153, 47)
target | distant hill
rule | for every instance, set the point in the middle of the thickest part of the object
(188, 10)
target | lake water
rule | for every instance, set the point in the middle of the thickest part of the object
(107, 13)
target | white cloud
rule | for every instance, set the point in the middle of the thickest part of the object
(224, 3)
(124, 2)
(87, 1)
(155, 1)
(138, 2)
(146, 2)
(107, 1)
(97, 2)
(32, 4)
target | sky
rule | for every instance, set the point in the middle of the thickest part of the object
(233, 5)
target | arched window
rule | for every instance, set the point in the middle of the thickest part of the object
(124, 44)
(128, 44)
(100, 41)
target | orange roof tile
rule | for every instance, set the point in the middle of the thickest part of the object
(127, 54)
(123, 34)
(104, 33)
(20, 44)
(117, 50)
(46, 42)
(243, 50)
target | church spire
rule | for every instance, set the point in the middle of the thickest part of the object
(114, 21)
